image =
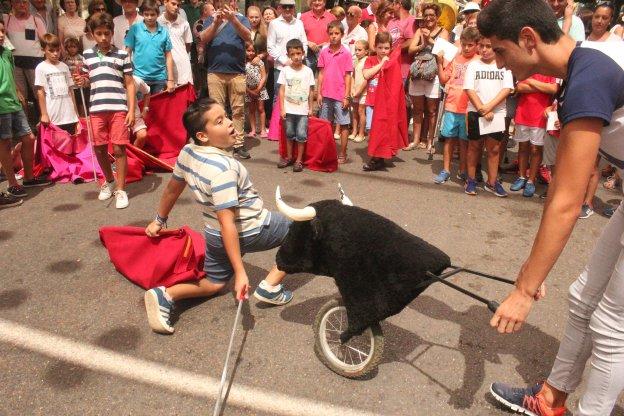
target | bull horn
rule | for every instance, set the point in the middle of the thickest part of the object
(343, 197)
(295, 214)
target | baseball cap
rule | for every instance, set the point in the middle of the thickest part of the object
(470, 7)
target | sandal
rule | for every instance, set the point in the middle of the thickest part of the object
(410, 147)
(422, 145)
(264, 135)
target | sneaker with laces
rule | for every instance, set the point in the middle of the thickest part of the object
(121, 199)
(281, 297)
(8, 200)
(442, 177)
(35, 182)
(529, 401)
(518, 184)
(106, 191)
(529, 190)
(158, 310)
(462, 176)
(497, 189)
(471, 187)
(586, 212)
(17, 191)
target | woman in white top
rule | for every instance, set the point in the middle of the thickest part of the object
(70, 24)
(603, 14)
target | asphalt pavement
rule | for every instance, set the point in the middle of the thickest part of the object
(74, 339)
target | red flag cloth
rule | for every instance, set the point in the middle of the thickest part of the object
(320, 150)
(166, 134)
(389, 127)
(175, 256)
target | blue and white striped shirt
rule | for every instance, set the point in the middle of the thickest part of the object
(106, 75)
(218, 182)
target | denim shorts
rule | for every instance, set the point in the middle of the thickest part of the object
(332, 111)
(217, 263)
(14, 125)
(454, 126)
(296, 127)
(369, 117)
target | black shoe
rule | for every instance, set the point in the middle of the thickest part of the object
(8, 200)
(242, 153)
(38, 181)
(373, 164)
(479, 176)
(17, 191)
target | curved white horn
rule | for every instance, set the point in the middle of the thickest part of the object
(295, 214)
(343, 197)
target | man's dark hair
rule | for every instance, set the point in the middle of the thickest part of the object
(505, 18)
(194, 118)
(101, 20)
(293, 44)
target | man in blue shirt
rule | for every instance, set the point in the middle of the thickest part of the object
(225, 34)
(527, 40)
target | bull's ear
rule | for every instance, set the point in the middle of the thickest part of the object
(317, 229)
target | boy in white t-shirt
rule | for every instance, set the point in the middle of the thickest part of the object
(296, 102)
(53, 84)
(487, 88)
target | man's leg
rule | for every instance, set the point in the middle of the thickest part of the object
(217, 88)
(236, 91)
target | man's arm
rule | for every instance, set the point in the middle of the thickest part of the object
(549, 88)
(208, 34)
(576, 157)
(231, 243)
(240, 28)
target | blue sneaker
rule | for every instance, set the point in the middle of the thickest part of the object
(442, 177)
(497, 189)
(528, 400)
(471, 187)
(529, 190)
(518, 184)
(281, 297)
(158, 310)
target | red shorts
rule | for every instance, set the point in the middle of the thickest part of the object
(109, 127)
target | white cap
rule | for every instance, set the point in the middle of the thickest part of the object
(470, 7)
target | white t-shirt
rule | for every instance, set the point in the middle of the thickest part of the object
(121, 29)
(297, 91)
(57, 82)
(180, 34)
(487, 81)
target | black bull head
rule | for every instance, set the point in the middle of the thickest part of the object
(378, 266)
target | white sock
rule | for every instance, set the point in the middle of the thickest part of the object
(264, 285)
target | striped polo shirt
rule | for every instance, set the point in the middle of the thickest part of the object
(106, 74)
(219, 181)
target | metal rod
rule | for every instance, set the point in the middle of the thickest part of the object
(492, 305)
(89, 135)
(489, 276)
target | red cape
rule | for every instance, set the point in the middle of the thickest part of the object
(389, 128)
(320, 151)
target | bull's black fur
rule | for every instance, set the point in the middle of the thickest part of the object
(378, 267)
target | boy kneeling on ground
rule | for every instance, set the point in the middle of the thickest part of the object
(236, 221)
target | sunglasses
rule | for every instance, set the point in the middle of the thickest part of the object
(429, 15)
(351, 14)
(288, 6)
(100, 9)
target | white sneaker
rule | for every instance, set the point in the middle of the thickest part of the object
(106, 191)
(121, 199)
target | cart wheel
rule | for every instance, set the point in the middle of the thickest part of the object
(353, 359)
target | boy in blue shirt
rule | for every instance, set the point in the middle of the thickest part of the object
(149, 45)
(236, 221)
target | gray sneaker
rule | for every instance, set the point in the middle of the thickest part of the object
(586, 212)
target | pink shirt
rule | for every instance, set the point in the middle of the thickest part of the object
(367, 14)
(335, 66)
(400, 31)
(315, 28)
(456, 98)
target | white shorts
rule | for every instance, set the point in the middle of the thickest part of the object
(535, 135)
(550, 150)
(139, 124)
(420, 87)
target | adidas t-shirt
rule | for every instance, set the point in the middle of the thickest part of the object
(487, 81)
(594, 87)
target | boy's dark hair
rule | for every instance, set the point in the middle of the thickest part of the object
(149, 5)
(71, 40)
(293, 44)
(505, 18)
(194, 118)
(335, 25)
(49, 40)
(383, 37)
(470, 34)
(406, 5)
(101, 20)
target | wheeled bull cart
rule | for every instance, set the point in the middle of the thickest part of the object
(361, 354)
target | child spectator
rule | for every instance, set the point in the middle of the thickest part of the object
(74, 62)
(535, 97)
(487, 88)
(112, 105)
(296, 100)
(53, 84)
(256, 91)
(334, 84)
(149, 46)
(358, 91)
(236, 221)
(181, 41)
(13, 124)
(140, 128)
(455, 105)
(372, 73)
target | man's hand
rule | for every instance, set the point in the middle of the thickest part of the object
(218, 17)
(129, 119)
(228, 13)
(45, 119)
(345, 102)
(170, 86)
(313, 47)
(241, 285)
(153, 229)
(512, 313)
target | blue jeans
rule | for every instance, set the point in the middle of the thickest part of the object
(156, 86)
(14, 125)
(296, 127)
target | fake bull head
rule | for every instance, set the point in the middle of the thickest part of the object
(304, 214)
